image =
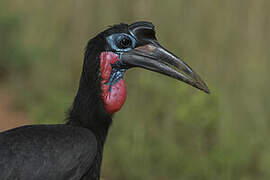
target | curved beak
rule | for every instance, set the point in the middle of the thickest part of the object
(156, 58)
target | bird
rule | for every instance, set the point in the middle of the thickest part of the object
(73, 150)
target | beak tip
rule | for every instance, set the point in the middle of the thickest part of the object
(207, 91)
(204, 88)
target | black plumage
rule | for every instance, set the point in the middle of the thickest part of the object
(73, 151)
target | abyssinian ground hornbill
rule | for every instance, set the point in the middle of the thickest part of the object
(73, 151)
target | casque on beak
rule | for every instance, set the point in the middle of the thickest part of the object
(154, 57)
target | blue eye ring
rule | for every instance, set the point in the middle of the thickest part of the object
(121, 42)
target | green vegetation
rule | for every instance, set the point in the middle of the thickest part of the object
(166, 129)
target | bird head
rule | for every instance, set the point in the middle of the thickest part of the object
(135, 45)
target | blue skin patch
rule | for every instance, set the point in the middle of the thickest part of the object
(116, 75)
(114, 41)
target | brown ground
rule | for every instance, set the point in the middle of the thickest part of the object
(10, 118)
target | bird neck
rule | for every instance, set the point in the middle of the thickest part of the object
(88, 109)
(88, 112)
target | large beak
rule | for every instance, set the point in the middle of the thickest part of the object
(156, 58)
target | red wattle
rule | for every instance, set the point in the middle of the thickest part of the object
(115, 97)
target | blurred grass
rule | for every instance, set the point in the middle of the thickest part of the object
(166, 130)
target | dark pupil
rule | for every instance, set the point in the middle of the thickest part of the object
(125, 42)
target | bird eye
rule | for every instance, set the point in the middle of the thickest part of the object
(121, 42)
(125, 42)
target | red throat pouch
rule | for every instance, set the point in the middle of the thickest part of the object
(113, 97)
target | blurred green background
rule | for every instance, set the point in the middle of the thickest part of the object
(166, 129)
